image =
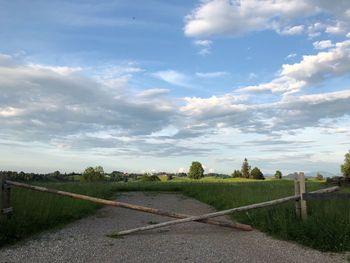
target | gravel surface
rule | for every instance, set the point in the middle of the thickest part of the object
(86, 241)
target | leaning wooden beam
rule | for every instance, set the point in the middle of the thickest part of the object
(221, 213)
(128, 206)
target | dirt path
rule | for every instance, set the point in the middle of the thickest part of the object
(86, 241)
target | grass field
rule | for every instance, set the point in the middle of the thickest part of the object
(327, 227)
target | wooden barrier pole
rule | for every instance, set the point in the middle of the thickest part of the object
(128, 206)
(221, 213)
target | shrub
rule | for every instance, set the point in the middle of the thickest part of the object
(319, 177)
(93, 174)
(236, 174)
(149, 178)
(257, 174)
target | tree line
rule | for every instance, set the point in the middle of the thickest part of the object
(196, 171)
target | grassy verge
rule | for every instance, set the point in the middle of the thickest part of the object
(35, 211)
(327, 228)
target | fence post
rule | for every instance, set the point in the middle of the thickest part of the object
(297, 192)
(300, 189)
(302, 201)
(5, 195)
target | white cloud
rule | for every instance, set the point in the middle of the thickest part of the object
(288, 114)
(340, 28)
(311, 70)
(294, 30)
(230, 17)
(59, 105)
(290, 56)
(173, 77)
(215, 74)
(323, 44)
(57, 69)
(215, 107)
(203, 43)
(205, 46)
(152, 93)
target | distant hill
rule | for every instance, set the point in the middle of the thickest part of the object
(324, 173)
(311, 174)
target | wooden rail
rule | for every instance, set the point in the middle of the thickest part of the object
(326, 196)
(224, 212)
(127, 205)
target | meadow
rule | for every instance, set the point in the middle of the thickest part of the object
(327, 227)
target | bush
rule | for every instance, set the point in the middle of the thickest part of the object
(236, 174)
(257, 174)
(169, 177)
(149, 178)
(319, 177)
(93, 174)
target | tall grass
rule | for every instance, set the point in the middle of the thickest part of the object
(35, 211)
(327, 227)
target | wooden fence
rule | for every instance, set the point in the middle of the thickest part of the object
(300, 197)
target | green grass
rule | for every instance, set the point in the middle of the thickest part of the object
(327, 227)
(35, 211)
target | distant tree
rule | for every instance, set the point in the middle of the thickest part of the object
(169, 177)
(345, 168)
(257, 174)
(319, 177)
(236, 174)
(278, 174)
(93, 174)
(116, 176)
(245, 169)
(196, 171)
(56, 173)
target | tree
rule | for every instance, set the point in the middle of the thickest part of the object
(257, 174)
(319, 177)
(245, 169)
(196, 171)
(93, 174)
(345, 168)
(278, 174)
(236, 174)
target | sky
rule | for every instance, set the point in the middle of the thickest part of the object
(143, 86)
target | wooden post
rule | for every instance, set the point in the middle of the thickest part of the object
(5, 195)
(297, 193)
(300, 189)
(303, 207)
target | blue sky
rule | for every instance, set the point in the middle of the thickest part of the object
(154, 85)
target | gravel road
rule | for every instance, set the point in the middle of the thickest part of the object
(86, 241)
